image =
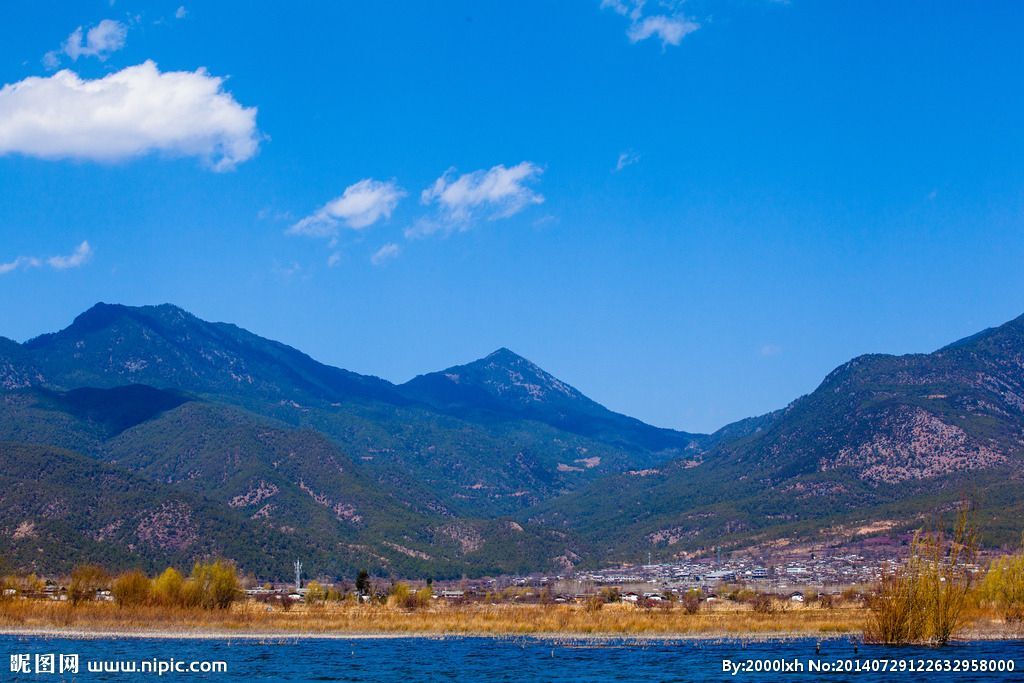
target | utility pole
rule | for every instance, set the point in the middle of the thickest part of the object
(298, 576)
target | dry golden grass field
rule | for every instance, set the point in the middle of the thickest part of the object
(616, 619)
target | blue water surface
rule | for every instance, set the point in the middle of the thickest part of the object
(511, 659)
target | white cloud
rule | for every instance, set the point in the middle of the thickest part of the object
(360, 206)
(100, 41)
(426, 226)
(627, 158)
(127, 114)
(181, 12)
(769, 350)
(632, 9)
(495, 193)
(269, 213)
(51, 60)
(385, 253)
(669, 28)
(334, 259)
(20, 263)
(79, 257)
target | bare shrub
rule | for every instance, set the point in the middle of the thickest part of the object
(86, 579)
(763, 604)
(691, 601)
(131, 589)
(923, 600)
(1004, 587)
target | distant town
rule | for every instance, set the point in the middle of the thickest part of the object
(788, 576)
(632, 583)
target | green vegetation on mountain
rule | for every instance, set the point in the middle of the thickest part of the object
(147, 436)
(507, 385)
(163, 346)
(58, 508)
(889, 438)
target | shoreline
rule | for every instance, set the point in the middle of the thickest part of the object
(89, 634)
(284, 636)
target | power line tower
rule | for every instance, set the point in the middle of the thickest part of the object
(298, 575)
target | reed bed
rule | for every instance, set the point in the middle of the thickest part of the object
(437, 619)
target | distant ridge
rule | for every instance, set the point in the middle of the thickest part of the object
(286, 452)
(893, 438)
(506, 385)
(163, 438)
(165, 346)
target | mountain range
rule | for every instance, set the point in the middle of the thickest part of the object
(144, 436)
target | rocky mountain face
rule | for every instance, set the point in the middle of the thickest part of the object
(506, 385)
(891, 419)
(16, 369)
(146, 435)
(166, 347)
(59, 507)
(892, 437)
(196, 477)
(343, 464)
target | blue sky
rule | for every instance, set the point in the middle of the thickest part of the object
(690, 211)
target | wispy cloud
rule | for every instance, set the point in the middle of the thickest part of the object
(129, 113)
(181, 12)
(286, 272)
(670, 28)
(79, 257)
(545, 221)
(20, 263)
(99, 41)
(491, 194)
(269, 213)
(385, 253)
(629, 8)
(627, 158)
(769, 350)
(359, 206)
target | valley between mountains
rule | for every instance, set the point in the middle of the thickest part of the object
(144, 436)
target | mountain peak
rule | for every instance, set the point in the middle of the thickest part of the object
(503, 354)
(98, 316)
(102, 315)
(167, 347)
(503, 383)
(508, 360)
(1011, 331)
(501, 378)
(506, 373)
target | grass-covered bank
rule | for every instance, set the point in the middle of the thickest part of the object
(937, 594)
(619, 619)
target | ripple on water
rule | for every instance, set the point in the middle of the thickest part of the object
(408, 660)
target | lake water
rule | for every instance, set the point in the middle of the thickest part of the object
(493, 660)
